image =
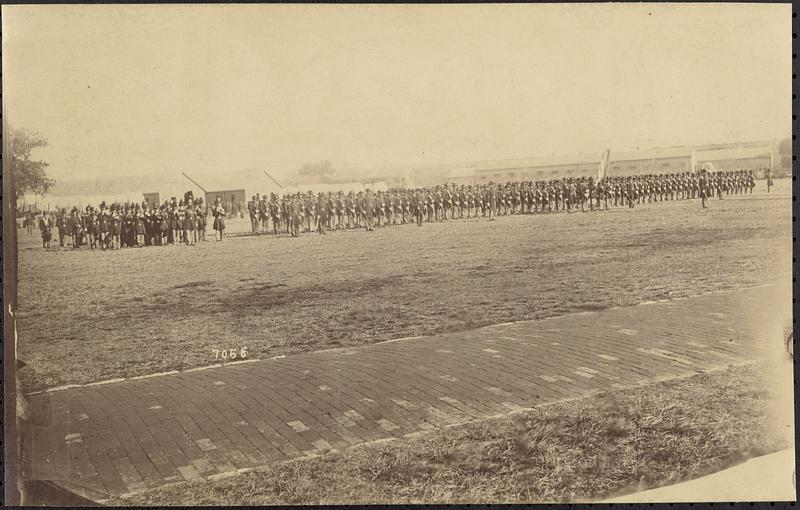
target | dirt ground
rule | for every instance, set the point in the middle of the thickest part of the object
(88, 316)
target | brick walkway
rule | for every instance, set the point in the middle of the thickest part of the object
(122, 437)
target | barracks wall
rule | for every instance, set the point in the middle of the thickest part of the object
(649, 166)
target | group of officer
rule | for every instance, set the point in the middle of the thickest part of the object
(296, 213)
(117, 225)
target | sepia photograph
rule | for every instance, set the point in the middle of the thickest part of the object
(331, 254)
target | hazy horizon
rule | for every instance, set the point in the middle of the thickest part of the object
(154, 89)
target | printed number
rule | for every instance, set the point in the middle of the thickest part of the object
(230, 353)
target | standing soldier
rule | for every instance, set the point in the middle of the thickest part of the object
(139, 226)
(286, 212)
(491, 201)
(300, 214)
(174, 222)
(219, 218)
(447, 202)
(369, 209)
(308, 210)
(769, 180)
(89, 221)
(361, 209)
(703, 184)
(46, 228)
(61, 225)
(116, 227)
(189, 223)
(274, 213)
(340, 210)
(202, 218)
(263, 213)
(630, 193)
(430, 206)
(350, 209)
(418, 203)
(571, 197)
(322, 213)
(472, 205)
(252, 209)
(461, 201)
(104, 226)
(405, 205)
(330, 203)
(29, 222)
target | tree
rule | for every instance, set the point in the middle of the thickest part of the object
(317, 172)
(29, 173)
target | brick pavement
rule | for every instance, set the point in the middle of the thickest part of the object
(121, 437)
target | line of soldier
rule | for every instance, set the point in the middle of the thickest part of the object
(117, 225)
(297, 213)
(185, 221)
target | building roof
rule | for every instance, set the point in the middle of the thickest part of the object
(733, 153)
(581, 159)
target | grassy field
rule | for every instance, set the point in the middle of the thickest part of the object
(582, 450)
(88, 316)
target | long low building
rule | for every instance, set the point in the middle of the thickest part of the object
(757, 155)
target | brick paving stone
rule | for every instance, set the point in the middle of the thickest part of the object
(126, 436)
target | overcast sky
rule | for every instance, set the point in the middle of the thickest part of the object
(156, 88)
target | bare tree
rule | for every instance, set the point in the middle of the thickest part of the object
(317, 172)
